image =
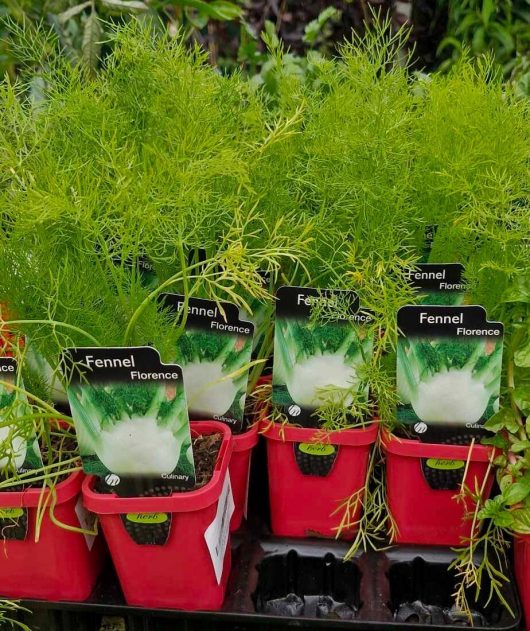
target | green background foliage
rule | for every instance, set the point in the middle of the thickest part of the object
(235, 32)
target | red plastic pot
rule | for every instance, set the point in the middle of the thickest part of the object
(62, 564)
(521, 554)
(305, 504)
(425, 515)
(241, 461)
(239, 468)
(181, 573)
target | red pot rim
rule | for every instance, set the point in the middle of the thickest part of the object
(415, 449)
(246, 440)
(111, 504)
(353, 437)
(522, 538)
(32, 497)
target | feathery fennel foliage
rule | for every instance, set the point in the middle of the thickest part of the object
(151, 160)
(471, 175)
(331, 184)
(351, 178)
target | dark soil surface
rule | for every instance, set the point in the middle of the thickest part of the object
(205, 452)
(63, 447)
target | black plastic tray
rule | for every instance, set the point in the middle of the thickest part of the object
(265, 567)
(373, 583)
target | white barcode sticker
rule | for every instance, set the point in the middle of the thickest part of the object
(217, 533)
(87, 521)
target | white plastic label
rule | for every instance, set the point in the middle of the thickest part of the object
(216, 535)
(245, 511)
(87, 521)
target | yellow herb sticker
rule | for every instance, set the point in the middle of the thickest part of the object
(445, 465)
(147, 518)
(316, 449)
(11, 513)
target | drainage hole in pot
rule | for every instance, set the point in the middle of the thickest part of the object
(421, 592)
(296, 585)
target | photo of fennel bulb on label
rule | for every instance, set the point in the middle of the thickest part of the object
(131, 429)
(19, 448)
(215, 378)
(319, 365)
(43, 372)
(13, 445)
(448, 381)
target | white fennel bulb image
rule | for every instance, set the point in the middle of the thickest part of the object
(453, 396)
(14, 445)
(205, 392)
(320, 371)
(51, 377)
(138, 446)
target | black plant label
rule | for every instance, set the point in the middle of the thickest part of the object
(438, 283)
(215, 351)
(449, 362)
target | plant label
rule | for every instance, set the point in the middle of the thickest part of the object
(439, 284)
(131, 419)
(88, 522)
(217, 533)
(321, 341)
(19, 447)
(449, 362)
(215, 353)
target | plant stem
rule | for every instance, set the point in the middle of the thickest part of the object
(148, 299)
(55, 323)
(52, 411)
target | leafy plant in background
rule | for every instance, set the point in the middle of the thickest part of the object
(302, 26)
(520, 76)
(231, 31)
(83, 28)
(80, 26)
(486, 26)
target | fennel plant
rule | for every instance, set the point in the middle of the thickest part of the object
(150, 161)
(472, 179)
